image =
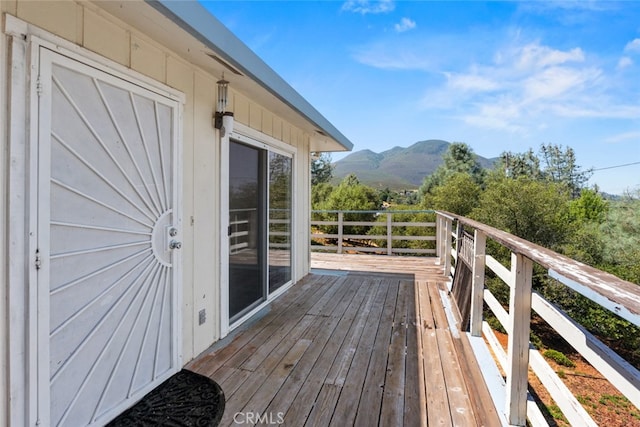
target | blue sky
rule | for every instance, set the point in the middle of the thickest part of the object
(499, 76)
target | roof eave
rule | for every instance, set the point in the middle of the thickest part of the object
(196, 20)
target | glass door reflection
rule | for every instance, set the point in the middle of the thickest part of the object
(279, 220)
(247, 220)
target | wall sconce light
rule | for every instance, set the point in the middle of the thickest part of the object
(221, 108)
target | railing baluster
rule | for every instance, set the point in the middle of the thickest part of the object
(340, 231)
(518, 346)
(448, 227)
(389, 234)
(439, 236)
(477, 282)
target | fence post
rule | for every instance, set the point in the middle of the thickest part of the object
(340, 224)
(389, 234)
(518, 346)
(477, 283)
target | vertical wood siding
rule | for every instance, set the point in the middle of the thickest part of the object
(87, 25)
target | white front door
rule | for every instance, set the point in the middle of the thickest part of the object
(108, 233)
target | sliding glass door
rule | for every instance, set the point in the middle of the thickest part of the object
(260, 224)
(279, 220)
(247, 272)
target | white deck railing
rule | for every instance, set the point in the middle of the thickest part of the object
(368, 241)
(618, 296)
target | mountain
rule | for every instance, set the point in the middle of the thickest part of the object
(398, 168)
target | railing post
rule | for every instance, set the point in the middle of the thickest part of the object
(477, 282)
(389, 234)
(340, 225)
(448, 229)
(439, 237)
(518, 346)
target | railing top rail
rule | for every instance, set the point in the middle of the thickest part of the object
(614, 289)
(376, 211)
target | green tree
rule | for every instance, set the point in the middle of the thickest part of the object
(319, 194)
(321, 169)
(621, 234)
(459, 158)
(459, 193)
(351, 195)
(534, 210)
(589, 207)
(560, 166)
(516, 165)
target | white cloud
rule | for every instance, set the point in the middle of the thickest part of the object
(405, 24)
(503, 114)
(625, 62)
(394, 57)
(633, 46)
(522, 86)
(553, 82)
(535, 56)
(472, 82)
(622, 137)
(367, 6)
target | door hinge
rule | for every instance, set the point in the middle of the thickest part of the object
(39, 86)
(38, 260)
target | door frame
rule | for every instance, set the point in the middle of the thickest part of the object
(25, 41)
(248, 136)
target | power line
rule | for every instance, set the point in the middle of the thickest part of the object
(615, 167)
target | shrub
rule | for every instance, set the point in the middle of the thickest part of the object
(559, 358)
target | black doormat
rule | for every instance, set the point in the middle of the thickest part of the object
(186, 399)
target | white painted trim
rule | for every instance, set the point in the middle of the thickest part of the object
(599, 299)
(477, 283)
(564, 398)
(246, 135)
(178, 222)
(4, 286)
(490, 372)
(503, 272)
(22, 382)
(497, 309)
(533, 413)
(41, 164)
(259, 139)
(224, 238)
(517, 368)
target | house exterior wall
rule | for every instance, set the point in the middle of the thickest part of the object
(88, 26)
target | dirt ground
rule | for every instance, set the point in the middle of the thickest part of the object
(606, 405)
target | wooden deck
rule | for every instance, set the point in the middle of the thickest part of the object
(369, 346)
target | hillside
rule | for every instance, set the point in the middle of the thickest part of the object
(397, 168)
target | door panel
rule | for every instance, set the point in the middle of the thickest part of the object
(280, 209)
(247, 229)
(110, 150)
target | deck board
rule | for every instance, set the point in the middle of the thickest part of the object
(369, 346)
